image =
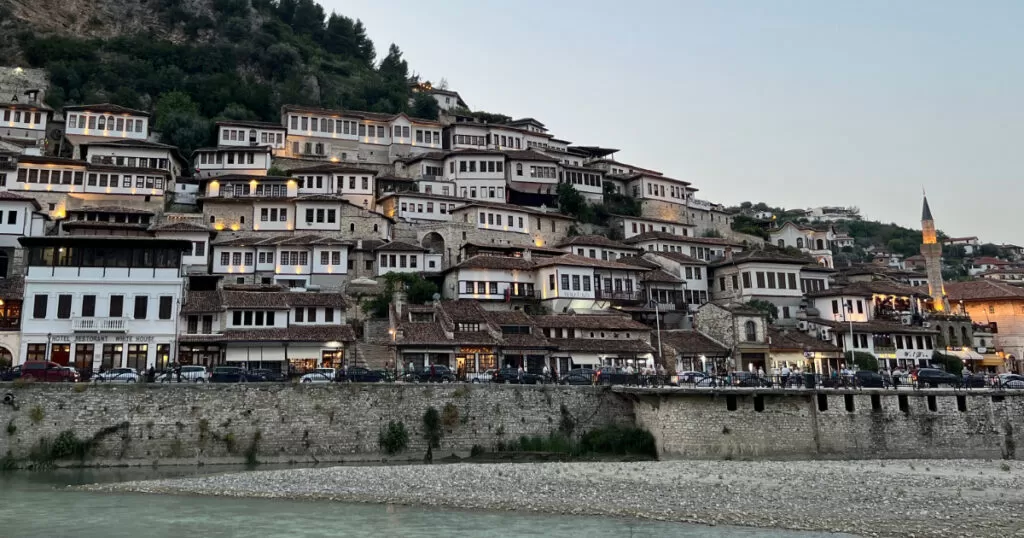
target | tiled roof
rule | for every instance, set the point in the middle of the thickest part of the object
(464, 311)
(179, 226)
(800, 341)
(255, 124)
(679, 257)
(422, 333)
(637, 262)
(280, 300)
(762, 256)
(41, 159)
(107, 107)
(980, 290)
(649, 236)
(874, 326)
(69, 224)
(9, 196)
(607, 322)
(691, 342)
(198, 302)
(360, 114)
(368, 245)
(737, 308)
(603, 346)
(867, 289)
(581, 261)
(295, 333)
(513, 207)
(295, 239)
(483, 261)
(400, 246)
(336, 168)
(111, 209)
(659, 275)
(989, 260)
(595, 241)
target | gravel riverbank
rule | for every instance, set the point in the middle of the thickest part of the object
(872, 498)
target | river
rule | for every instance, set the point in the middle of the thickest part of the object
(37, 504)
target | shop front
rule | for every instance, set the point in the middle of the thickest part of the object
(471, 360)
(90, 353)
(303, 358)
(531, 359)
(252, 356)
(913, 358)
(205, 354)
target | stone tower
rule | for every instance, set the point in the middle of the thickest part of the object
(932, 252)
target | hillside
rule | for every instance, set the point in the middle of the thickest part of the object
(207, 59)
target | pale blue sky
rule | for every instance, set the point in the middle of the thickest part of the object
(795, 103)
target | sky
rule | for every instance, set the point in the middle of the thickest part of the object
(794, 103)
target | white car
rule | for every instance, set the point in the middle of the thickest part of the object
(320, 375)
(483, 377)
(117, 375)
(191, 374)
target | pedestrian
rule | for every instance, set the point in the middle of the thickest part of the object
(661, 369)
(519, 373)
(760, 371)
(151, 375)
(785, 374)
(177, 371)
(547, 373)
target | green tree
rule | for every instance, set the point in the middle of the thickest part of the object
(417, 291)
(424, 106)
(179, 122)
(988, 249)
(862, 360)
(767, 307)
(393, 68)
(236, 111)
(949, 363)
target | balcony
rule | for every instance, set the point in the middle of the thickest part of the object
(100, 324)
(621, 296)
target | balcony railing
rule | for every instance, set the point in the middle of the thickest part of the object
(99, 324)
(621, 296)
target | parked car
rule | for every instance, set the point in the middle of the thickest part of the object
(234, 374)
(1011, 381)
(481, 377)
(749, 379)
(869, 379)
(975, 381)
(435, 373)
(511, 375)
(191, 374)
(933, 377)
(320, 375)
(610, 375)
(577, 377)
(271, 375)
(359, 374)
(47, 371)
(11, 374)
(117, 375)
(689, 378)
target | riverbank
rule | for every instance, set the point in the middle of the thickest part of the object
(875, 498)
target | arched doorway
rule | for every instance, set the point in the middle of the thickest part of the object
(6, 358)
(433, 242)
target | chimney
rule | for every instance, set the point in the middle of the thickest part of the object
(728, 253)
(359, 244)
(33, 95)
(527, 254)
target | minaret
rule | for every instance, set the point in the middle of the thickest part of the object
(932, 252)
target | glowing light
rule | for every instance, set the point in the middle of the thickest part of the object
(49, 187)
(298, 270)
(256, 227)
(219, 226)
(235, 227)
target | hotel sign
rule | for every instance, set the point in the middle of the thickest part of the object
(913, 354)
(99, 338)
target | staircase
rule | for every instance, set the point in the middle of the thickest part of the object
(373, 351)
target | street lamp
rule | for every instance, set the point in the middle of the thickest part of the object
(848, 307)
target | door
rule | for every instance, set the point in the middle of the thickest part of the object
(60, 354)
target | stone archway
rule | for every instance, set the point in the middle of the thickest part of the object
(433, 242)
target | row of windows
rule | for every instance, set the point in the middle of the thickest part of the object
(471, 166)
(233, 157)
(87, 306)
(848, 307)
(273, 214)
(485, 192)
(105, 217)
(27, 117)
(136, 356)
(317, 182)
(288, 257)
(502, 140)
(659, 190)
(239, 134)
(398, 261)
(149, 258)
(514, 289)
(329, 125)
(50, 176)
(542, 172)
(321, 215)
(639, 228)
(575, 283)
(253, 318)
(582, 178)
(308, 315)
(770, 280)
(106, 123)
(132, 162)
(494, 219)
(432, 170)
(442, 207)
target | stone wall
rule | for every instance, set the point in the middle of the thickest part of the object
(795, 425)
(144, 424)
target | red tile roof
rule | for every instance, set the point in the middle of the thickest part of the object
(981, 290)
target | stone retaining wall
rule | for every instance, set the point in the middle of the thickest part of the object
(145, 424)
(832, 424)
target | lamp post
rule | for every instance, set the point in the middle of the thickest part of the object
(848, 308)
(49, 336)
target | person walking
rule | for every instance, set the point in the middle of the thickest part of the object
(547, 373)
(519, 373)
(785, 374)
(177, 371)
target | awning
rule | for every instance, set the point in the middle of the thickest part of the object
(585, 358)
(255, 354)
(966, 354)
(992, 360)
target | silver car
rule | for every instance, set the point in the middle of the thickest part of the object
(117, 375)
(189, 374)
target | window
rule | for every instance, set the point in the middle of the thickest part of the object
(575, 283)
(760, 279)
(116, 306)
(88, 306)
(771, 280)
(311, 314)
(141, 306)
(39, 307)
(63, 306)
(551, 282)
(165, 307)
(329, 315)
(750, 328)
(746, 279)
(735, 282)
(565, 282)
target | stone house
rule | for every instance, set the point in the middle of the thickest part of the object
(740, 328)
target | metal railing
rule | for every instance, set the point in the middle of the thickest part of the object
(99, 324)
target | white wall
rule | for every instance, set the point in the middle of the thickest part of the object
(87, 123)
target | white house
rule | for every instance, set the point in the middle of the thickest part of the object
(693, 272)
(633, 226)
(416, 206)
(401, 257)
(355, 136)
(223, 160)
(198, 256)
(134, 154)
(702, 248)
(356, 185)
(24, 122)
(105, 121)
(597, 247)
(757, 274)
(100, 302)
(292, 260)
(251, 134)
(816, 242)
